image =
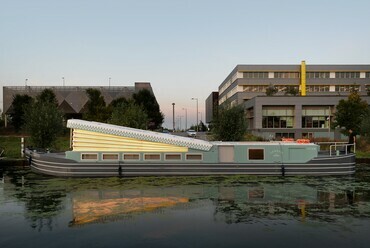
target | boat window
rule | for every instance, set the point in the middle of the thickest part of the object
(256, 154)
(89, 156)
(152, 156)
(173, 157)
(193, 156)
(110, 156)
(131, 156)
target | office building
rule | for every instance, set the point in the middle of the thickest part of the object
(304, 101)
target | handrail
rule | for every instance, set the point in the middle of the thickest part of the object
(335, 145)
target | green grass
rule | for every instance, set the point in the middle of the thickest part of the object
(12, 145)
(362, 154)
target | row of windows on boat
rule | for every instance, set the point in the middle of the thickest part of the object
(137, 156)
(253, 154)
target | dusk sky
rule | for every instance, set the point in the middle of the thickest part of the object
(185, 49)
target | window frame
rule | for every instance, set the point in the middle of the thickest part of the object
(253, 148)
(145, 159)
(123, 157)
(166, 159)
(187, 154)
(102, 156)
(89, 159)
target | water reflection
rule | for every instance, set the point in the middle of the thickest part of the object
(104, 206)
(237, 199)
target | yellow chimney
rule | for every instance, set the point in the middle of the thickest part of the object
(303, 78)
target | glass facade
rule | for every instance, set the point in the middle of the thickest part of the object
(255, 74)
(317, 88)
(347, 74)
(278, 117)
(346, 88)
(317, 74)
(316, 117)
(286, 74)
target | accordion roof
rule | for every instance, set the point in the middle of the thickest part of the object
(139, 134)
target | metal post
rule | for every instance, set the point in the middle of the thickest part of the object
(329, 123)
(186, 118)
(173, 116)
(22, 147)
(197, 112)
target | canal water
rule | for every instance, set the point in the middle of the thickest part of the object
(233, 211)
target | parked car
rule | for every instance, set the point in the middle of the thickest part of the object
(191, 133)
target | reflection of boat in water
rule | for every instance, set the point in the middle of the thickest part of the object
(231, 204)
(107, 150)
(100, 210)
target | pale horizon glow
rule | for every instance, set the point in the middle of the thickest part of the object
(185, 49)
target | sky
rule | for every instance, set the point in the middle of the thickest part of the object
(185, 49)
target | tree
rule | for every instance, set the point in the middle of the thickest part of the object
(1, 118)
(231, 124)
(201, 127)
(130, 115)
(96, 108)
(150, 105)
(44, 121)
(20, 105)
(365, 126)
(350, 113)
(115, 103)
(47, 96)
(271, 90)
(291, 90)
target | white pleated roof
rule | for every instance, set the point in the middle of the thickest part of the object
(139, 134)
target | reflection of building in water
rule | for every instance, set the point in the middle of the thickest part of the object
(102, 206)
(295, 200)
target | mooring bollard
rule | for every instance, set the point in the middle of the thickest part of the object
(22, 147)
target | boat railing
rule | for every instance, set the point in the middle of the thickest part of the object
(336, 148)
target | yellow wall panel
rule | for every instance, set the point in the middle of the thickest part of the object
(92, 141)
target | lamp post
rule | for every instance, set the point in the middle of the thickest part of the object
(173, 116)
(180, 120)
(329, 123)
(197, 110)
(63, 81)
(25, 82)
(109, 82)
(186, 118)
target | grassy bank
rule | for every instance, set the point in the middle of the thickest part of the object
(12, 145)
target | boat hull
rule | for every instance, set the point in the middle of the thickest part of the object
(44, 164)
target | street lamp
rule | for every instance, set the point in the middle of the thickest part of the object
(109, 82)
(186, 118)
(329, 122)
(63, 81)
(25, 82)
(180, 120)
(197, 110)
(173, 116)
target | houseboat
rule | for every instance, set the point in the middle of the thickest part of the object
(99, 149)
